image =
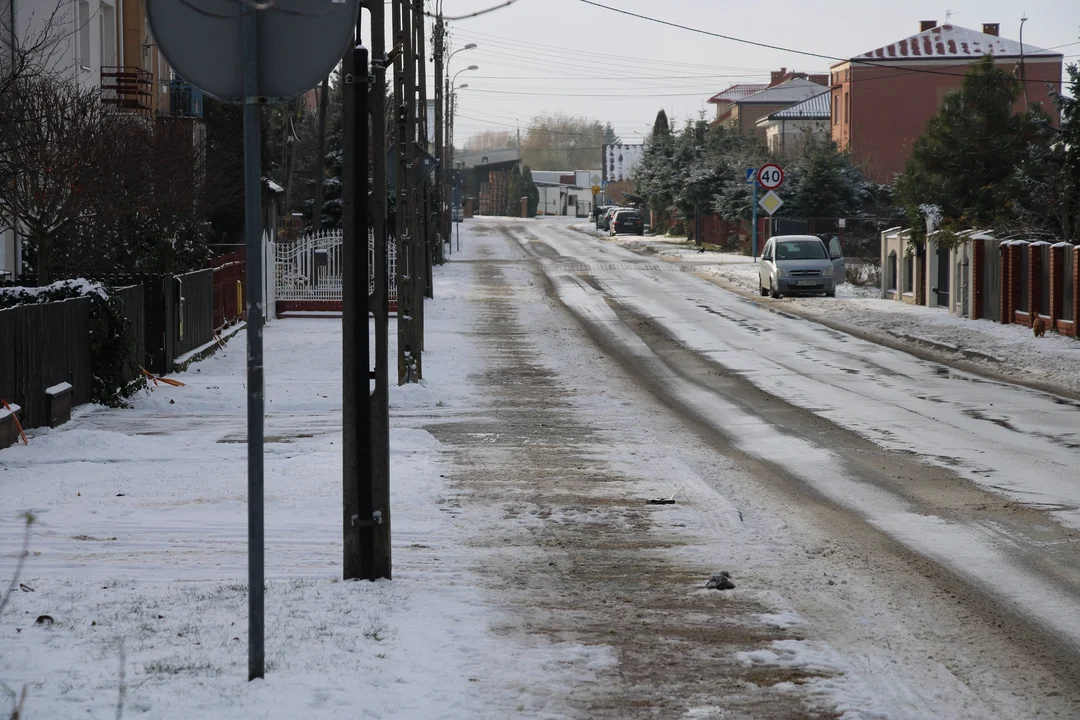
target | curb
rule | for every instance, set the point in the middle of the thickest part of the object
(206, 350)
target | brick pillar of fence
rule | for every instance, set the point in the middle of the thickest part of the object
(1015, 265)
(1075, 250)
(978, 257)
(1034, 282)
(1057, 278)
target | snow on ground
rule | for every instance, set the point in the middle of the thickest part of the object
(138, 556)
(1009, 350)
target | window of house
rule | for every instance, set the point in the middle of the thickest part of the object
(891, 276)
(108, 35)
(84, 33)
(909, 273)
(836, 110)
(847, 106)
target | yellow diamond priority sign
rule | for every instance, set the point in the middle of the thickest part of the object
(771, 202)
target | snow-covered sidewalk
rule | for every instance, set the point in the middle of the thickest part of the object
(137, 564)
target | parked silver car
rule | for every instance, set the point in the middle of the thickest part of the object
(797, 264)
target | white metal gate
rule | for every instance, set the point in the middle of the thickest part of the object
(311, 267)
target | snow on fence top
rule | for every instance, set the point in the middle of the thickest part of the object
(81, 286)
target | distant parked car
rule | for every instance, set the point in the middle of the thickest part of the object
(800, 264)
(627, 222)
(604, 223)
(598, 212)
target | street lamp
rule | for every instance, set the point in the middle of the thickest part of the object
(470, 46)
(452, 99)
(1023, 70)
(471, 67)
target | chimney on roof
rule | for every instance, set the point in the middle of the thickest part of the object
(925, 25)
(778, 76)
(819, 79)
(991, 29)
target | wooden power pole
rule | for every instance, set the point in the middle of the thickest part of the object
(424, 188)
(409, 270)
(359, 517)
(380, 301)
(440, 134)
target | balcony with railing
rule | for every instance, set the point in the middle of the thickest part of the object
(185, 101)
(128, 88)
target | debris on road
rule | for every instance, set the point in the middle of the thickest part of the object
(720, 582)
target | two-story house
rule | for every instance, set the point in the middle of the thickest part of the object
(742, 105)
(882, 100)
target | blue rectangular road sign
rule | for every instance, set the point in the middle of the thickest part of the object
(751, 174)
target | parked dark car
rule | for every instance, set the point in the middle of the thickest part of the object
(598, 212)
(604, 223)
(627, 222)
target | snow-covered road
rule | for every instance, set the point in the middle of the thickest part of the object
(978, 477)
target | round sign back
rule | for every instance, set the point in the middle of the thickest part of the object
(300, 42)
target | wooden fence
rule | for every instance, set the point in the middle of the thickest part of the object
(228, 288)
(194, 293)
(42, 346)
(134, 304)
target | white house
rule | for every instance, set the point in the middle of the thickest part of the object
(787, 130)
(620, 161)
(570, 200)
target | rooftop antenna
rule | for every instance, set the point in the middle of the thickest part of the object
(949, 14)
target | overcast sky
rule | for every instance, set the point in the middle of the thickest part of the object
(565, 56)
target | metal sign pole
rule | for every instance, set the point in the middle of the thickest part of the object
(253, 303)
(753, 249)
(219, 53)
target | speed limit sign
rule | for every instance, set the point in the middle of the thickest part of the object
(770, 176)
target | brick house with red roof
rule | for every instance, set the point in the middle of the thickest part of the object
(882, 100)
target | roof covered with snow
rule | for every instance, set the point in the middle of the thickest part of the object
(953, 41)
(814, 107)
(474, 158)
(791, 91)
(738, 92)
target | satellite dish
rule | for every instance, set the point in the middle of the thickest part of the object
(299, 41)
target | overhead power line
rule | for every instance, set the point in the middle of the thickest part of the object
(755, 43)
(516, 44)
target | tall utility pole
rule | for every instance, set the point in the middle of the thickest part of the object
(447, 163)
(358, 516)
(427, 227)
(440, 131)
(410, 360)
(380, 301)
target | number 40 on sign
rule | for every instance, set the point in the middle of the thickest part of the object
(770, 176)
